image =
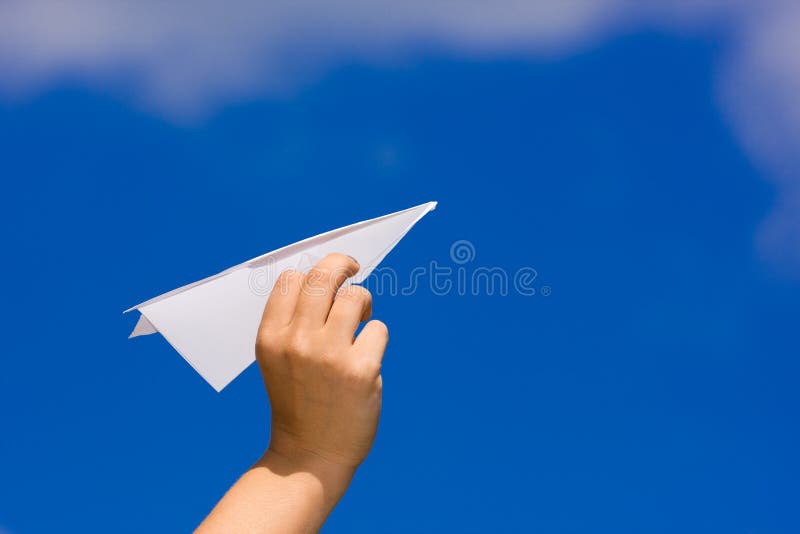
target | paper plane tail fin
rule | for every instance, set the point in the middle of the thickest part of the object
(143, 328)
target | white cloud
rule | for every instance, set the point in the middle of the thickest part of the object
(184, 58)
(760, 91)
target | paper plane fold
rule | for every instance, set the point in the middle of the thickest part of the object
(213, 323)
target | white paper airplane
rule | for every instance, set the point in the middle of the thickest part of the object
(213, 323)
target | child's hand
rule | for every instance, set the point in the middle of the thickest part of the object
(324, 385)
(325, 390)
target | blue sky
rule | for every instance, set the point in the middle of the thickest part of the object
(654, 390)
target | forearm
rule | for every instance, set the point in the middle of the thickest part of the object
(279, 494)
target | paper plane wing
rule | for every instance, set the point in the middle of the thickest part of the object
(213, 323)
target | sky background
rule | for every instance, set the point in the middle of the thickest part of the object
(643, 161)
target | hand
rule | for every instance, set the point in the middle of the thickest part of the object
(324, 385)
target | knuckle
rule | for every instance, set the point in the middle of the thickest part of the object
(357, 294)
(263, 340)
(268, 344)
(315, 274)
(318, 275)
(315, 281)
(285, 279)
(298, 346)
(287, 276)
(363, 372)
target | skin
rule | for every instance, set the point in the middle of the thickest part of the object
(324, 387)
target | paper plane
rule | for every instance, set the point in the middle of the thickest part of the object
(213, 323)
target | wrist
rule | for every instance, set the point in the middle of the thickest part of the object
(285, 456)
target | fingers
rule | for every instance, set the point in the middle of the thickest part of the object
(371, 342)
(352, 306)
(282, 300)
(319, 288)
